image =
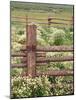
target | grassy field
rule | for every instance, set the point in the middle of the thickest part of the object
(42, 11)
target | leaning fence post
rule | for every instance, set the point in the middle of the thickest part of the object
(31, 50)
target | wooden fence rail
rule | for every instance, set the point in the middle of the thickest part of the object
(50, 59)
(51, 18)
(56, 73)
(20, 54)
(55, 59)
(62, 48)
(23, 65)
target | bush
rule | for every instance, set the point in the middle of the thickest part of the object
(20, 32)
(40, 86)
(59, 37)
(29, 87)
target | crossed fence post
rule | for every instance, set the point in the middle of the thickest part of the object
(31, 50)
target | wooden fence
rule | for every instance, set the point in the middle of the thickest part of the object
(33, 57)
(44, 21)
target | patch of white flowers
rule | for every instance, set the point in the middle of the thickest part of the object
(28, 87)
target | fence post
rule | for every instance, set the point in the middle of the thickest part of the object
(31, 50)
(49, 21)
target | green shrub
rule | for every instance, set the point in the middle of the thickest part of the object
(16, 72)
(59, 37)
(29, 87)
(20, 32)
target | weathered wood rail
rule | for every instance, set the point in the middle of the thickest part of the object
(20, 54)
(23, 65)
(55, 59)
(44, 61)
(56, 73)
(63, 48)
(33, 55)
